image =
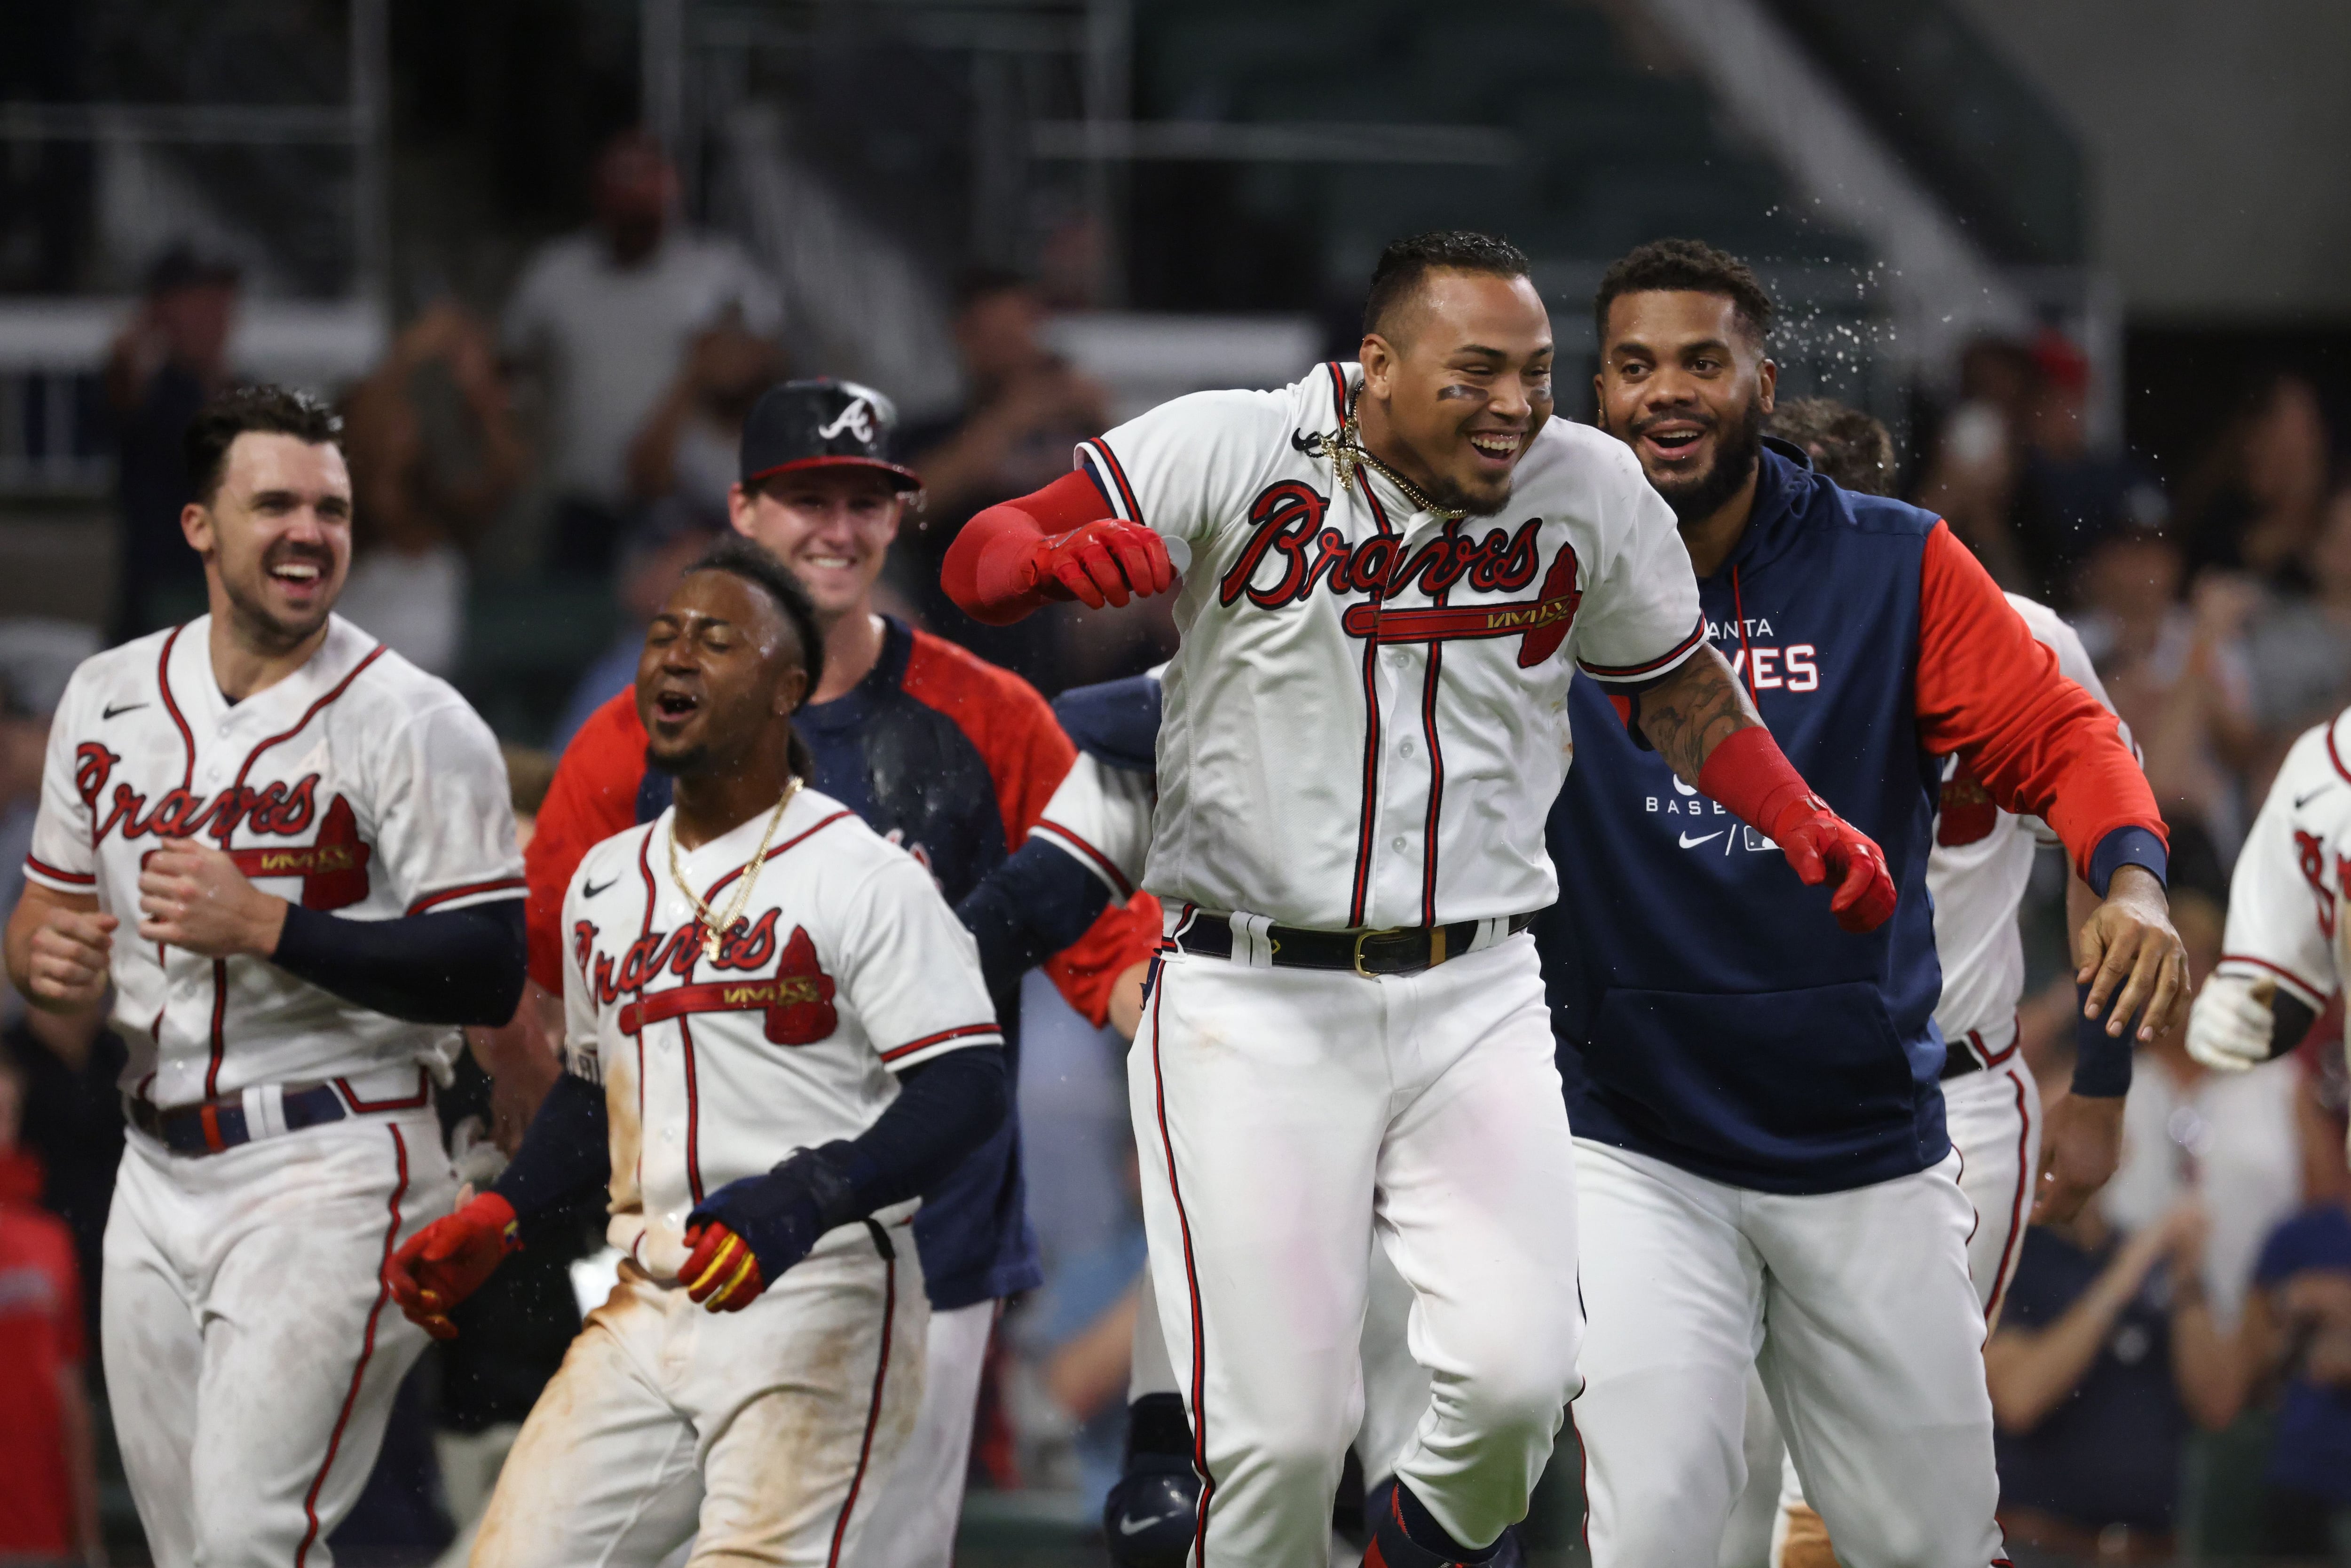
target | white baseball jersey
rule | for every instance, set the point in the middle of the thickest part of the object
(358, 785)
(1367, 719)
(1978, 870)
(846, 964)
(2282, 897)
(1099, 816)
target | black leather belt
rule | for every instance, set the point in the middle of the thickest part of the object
(1400, 950)
(1967, 1054)
(216, 1125)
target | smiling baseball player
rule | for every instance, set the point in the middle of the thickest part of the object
(1396, 569)
(777, 1036)
(316, 840)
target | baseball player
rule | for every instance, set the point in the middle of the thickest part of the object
(1391, 567)
(1765, 1171)
(1977, 871)
(313, 841)
(947, 755)
(776, 1037)
(2278, 963)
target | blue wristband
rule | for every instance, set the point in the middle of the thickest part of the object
(2127, 846)
(2102, 1064)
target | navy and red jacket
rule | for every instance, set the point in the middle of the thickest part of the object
(950, 757)
(1710, 1012)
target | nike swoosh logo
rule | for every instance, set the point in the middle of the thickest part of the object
(1691, 843)
(591, 889)
(126, 707)
(1137, 1526)
(2314, 794)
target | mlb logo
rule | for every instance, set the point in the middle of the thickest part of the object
(1755, 840)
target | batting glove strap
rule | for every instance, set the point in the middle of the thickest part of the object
(782, 1215)
(2231, 1027)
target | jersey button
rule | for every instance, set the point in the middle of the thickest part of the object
(1405, 748)
(1399, 844)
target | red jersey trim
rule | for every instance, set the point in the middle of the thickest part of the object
(973, 1031)
(1628, 672)
(172, 705)
(471, 890)
(2319, 993)
(1102, 862)
(43, 868)
(1108, 460)
(2334, 755)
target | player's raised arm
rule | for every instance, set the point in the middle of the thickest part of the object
(1989, 691)
(1060, 543)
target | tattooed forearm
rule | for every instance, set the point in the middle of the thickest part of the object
(1692, 710)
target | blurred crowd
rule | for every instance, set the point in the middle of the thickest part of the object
(2150, 1351)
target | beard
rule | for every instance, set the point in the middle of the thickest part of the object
(1737, 448)
(265, 628)
(680, 764)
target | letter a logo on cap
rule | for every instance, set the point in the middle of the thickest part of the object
(857, 419)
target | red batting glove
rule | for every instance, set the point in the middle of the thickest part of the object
(720, 1272)
(1751, 778)
(447, 1260)
(1819, 844)
(1099, 562)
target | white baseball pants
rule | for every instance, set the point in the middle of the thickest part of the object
(252, 1353)
(1857, 1311)
(762, 1435)
(1995, 1124)
(921, 1500)
(1281, 1115)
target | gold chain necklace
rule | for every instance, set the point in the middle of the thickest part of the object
(1346, 449)
(715, 927)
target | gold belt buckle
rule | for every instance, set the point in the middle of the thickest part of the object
(1363, 936)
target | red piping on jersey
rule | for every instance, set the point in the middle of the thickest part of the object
(693, 1113)
(1429, 683)
(794, 841)
(652, 893)
(2016, 1209)
(435, 900)
(1366, 829)
(1192, 1285)
(1102, 862)
(78, 879)
(423, 1096)
(2321, 992)
(236, 790)
(966, 1032)
(172, 707)
(1100, 449)
(873, 1406)
(1625, 672)
(220, 1015)
(2334, 755)
(1338, 390)
(367, 1352)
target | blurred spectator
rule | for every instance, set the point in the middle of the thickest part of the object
(2177, 673)
(2067, 496)
(656, 555)
(1081, 1330)
(1971, 477)
(434, 455)
(2254, 504)
(173, 356)
(36, 658)
(1025, 409)
(2230, 1140)
(49, 1472)
(689, 445)
(2297, 1331)
(2298, 650)
(604, 319)
(2107, 1353)
(529, 773)
(1849, 446)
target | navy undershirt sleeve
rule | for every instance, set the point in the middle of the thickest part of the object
(450, 967)
(566, 1150)
(945, 1108)
(2102, 1064)
(1030, 908)
(2127, 846)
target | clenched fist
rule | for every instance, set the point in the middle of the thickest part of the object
(192, 896)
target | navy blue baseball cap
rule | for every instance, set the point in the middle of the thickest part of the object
(822, 424)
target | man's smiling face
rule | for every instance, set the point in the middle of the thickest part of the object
(831, 524)
(1462, 372)
(1684, 382)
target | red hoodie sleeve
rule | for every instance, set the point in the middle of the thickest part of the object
(594, 796)
(983, 570)
(1991, 692)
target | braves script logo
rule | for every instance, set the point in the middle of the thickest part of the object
(1290, 553)
(2310, 855)
(333, 868)
(857, 419)
(797, 999)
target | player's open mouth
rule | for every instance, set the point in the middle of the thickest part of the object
(297, 573)
(828, 562)
(675, 704)
(1674, 440)
(1496, 448)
